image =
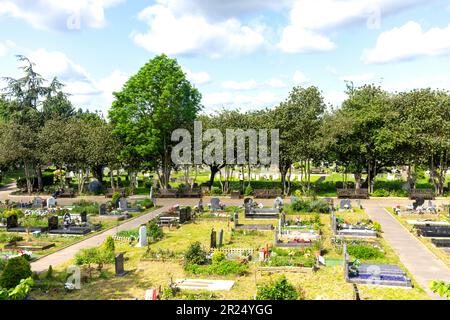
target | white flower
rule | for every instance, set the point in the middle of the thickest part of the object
(69, 286)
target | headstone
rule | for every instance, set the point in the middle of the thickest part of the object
(345, 204)
(51, 202)
(123, 203)
(278, 203)
(102, 209)
(95, 186)
(12, 221)
(142, 237)
(213, 239)
(37, 202)
(220, 238)
(151, 294)
(52, 223)
(83, 217)
(119, 265)
(215, 204)
(67, 219)
(183, 215)
(200, 205)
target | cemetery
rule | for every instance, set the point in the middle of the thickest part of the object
(253, 210)
(244, 253)
(361, 229)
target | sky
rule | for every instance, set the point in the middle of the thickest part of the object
(245, 54)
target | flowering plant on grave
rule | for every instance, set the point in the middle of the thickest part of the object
(69, 286)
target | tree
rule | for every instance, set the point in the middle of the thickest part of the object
(152, 104)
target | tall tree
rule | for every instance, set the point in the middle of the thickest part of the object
(152, 104)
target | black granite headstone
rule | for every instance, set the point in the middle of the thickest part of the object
(220, 238)
(119, 265)
(83, 217)
(102, 209)
(52, 223)
(213, 239)
(12, 221)
(183, 215)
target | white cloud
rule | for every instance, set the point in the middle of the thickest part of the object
(276, 83)
(335, 98)
(190, 34)
(56, 14)
(311, 21)
(215, 100)
(197, 78)
(84, 90)
(5, 46)
(358, 78)
(430, 81)
(407, 42)
(299, 78)
(236, 85)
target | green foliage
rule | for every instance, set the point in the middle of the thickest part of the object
(280, 289)
(18, 292)
(364, 252)
(216, 191)
(16, 269)
(441, 288)
(195, 254)
(9, 237)
(128, 233)
(381, 193)
(13, 212)
(49, 274)
(115, 198)
(154, 231)
(109, 245)
(248, 191)
(218, 256)
(222, 268)
(306, 205)
(145, 203)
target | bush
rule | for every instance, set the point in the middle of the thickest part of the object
(19, 292)
(154, 231)
(109, 245)
(441, 288)
(248, 190)
(195, 254)
(216, 191)
(146, 203)
(279, 289)
(15, 270)
(12, 212)
(115, 199)
(381, 193)
(364, 252)
(319, 205)
(5, 237)
(49, 274)
(218, 256)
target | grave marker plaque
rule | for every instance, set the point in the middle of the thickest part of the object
(142, 236)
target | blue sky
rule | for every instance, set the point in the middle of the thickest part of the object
(243, 54)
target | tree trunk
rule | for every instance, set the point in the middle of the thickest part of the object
(29, 178)
(111, 177)
(97, 171)
(358, 180)
(283, 172)
(39, 178)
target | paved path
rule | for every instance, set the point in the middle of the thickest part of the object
(68, 253)
(418, 259)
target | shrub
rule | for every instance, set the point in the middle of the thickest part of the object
(15, 270)
(154, 231)
(376, 226)
(441, 288)
(195, 254)
(12, 212)
(18, 292)
(218, 256)
(300, 206)
(146, 203)
(49, 274)
(381, 193)
(108, 245)
(279, 289)
(5, 237)
(364, 252)
(115, 199)
(222, 268)
(319, 205)
(248, 190)
(216, 191)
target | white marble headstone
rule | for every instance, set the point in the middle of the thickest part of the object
(51, 202)
(142, 237)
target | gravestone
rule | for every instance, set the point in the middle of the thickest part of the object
(278, 203)
(188, 213)
(142, 237)
(37, 202)
(220, 238)
(123, 203)
(51, 202)
(119, 265)
(235, 218)
(52, 223)
(95, 187)
(12, 221)
(183, 215)
(215, 204)
(213, 239)
(200, 205)
(67, 220)
(102, 209)
(283, 219)
(345, 204)
(83, 217)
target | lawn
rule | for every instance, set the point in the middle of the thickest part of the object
(326, 283)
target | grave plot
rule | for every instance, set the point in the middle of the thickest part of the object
(254, 211)
(300, 233)
(204, 284)
(433, 231)
(347, 230)
(374, 273)
(175, 216)
(251, 226)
